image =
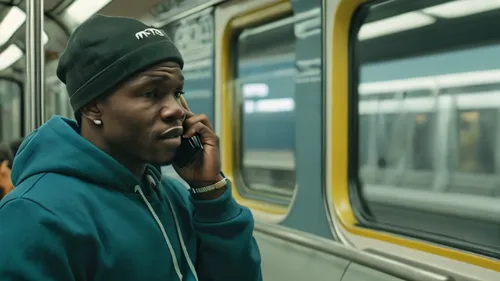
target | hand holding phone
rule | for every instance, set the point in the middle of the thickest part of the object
(197, 159)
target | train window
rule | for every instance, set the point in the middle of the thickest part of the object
(10, 110)
(264, 81)
(428, 106)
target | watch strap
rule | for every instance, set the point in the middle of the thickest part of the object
(220, 184)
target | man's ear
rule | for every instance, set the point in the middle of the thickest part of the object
(91, 111)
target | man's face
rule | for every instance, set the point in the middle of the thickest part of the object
(142, 119)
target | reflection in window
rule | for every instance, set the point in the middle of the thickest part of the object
(265, 80)
(436, 147)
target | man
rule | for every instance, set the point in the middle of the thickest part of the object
(87, 206)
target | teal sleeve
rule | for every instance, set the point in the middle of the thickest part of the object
(227, 249)
(31, 245)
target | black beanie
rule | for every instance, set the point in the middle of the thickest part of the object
(104, 51)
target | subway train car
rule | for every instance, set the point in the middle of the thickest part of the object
(363, 135)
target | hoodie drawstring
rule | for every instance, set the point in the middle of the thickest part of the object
(183, 245)
(138, 189)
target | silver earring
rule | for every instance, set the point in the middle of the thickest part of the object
(97, 122)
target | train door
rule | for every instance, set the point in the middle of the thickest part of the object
(269, 118)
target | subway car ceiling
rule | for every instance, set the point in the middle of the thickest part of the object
(61, 17)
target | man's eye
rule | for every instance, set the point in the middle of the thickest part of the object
(149, 94)
(178, 94)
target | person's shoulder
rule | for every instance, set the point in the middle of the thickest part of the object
(57, 193)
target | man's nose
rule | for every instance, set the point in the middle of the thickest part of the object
(172, 109)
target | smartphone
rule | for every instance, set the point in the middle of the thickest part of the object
(190, 148)
(188, 151)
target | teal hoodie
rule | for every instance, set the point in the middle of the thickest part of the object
(77, 214)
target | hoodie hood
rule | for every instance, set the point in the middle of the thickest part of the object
(57, 147)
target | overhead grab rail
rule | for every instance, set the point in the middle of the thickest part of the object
(378, 263)
(34, 85)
